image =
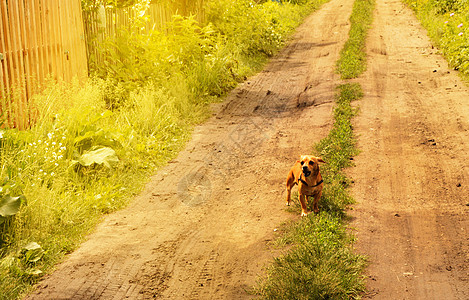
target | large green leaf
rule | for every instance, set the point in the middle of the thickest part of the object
(103, 156)
(32, 252)
(9, 205)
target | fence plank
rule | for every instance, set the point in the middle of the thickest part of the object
(17, 49)
(8, 63)
(35, 27)
(4, 83)
(65, 39)
(31, 32)
(33, 59)
(55, 21)
(23, 116)
(44, 39)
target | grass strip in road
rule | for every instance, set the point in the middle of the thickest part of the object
(352, 60)
(321, 263)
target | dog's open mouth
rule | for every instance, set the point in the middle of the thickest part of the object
(307, 173)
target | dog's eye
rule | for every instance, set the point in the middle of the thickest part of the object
(302, 163)
(311, 162)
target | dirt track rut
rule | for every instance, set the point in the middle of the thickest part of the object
(412, 177)
(201, 228)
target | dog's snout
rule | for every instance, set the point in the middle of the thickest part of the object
(305, 168)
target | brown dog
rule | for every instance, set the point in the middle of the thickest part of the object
(305, 173)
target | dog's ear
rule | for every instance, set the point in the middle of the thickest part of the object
(320, 160)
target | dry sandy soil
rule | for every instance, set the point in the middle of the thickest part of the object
(202, 227)
(412, 177)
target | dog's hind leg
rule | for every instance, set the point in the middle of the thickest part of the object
(316, 201)
(288, 195)
(290, 183)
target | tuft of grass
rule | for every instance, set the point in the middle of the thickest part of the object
(321, 263)
(352, 60)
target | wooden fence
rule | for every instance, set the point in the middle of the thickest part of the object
(39, 39)
(107, 21)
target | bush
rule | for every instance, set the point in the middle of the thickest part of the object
(211, 58)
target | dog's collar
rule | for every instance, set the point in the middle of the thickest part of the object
(305, 183)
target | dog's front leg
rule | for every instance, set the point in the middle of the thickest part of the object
(304, 208)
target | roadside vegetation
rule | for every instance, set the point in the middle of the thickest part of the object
(95, 144)
(447, 23)
(321, 262)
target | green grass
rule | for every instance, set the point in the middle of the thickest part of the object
(352, 60)
(320, 266)
(447, 25)
(64, 201)
(94, 145)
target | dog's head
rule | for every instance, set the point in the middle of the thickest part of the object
(310, 165)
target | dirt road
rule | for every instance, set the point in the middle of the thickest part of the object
(202, 226)
(412, 177)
